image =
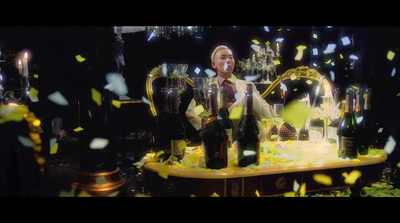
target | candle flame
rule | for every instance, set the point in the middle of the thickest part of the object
(26, 55)
(19, 62)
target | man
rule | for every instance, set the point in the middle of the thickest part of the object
(223, 62)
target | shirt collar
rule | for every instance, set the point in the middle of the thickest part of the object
(221, 79)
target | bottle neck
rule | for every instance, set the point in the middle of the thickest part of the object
(348, 108)
(174, 103)
(367, 103)
(212, 100)
(359, 103)
(248, 107)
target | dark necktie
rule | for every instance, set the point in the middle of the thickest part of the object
(231, 92)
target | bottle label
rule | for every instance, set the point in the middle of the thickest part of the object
(177, 147)
(348, 145)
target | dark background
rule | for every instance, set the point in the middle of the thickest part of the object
(53, 51)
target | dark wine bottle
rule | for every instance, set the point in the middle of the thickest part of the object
(369, 123)
(362, 141)
(176, 131)
(214, 138)
(224, 113)
(347, 139)
(248, 135)
(161, 139)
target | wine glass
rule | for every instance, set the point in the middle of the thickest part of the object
(277, 113)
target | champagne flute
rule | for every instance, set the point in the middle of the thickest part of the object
(277, 112)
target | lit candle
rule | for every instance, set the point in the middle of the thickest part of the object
(277, 49)
(19, 67)
(25, 64)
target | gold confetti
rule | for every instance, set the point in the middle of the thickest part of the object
(96, 96)
(309, 82)
(289, 194)
(352, 177)
(257, 193)
(390, 55)
(303, 189)
(198, 109)
(54, 148)
(33, 93)
(322, 179)
(36, 76)
(267, 43)
(277, 62)
(255, 41)
(163, 172)
(78, 129)
(215, 195)
(236, 113)
(116, 103)
(79, 58)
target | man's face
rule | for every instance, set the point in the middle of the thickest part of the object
(224, 62)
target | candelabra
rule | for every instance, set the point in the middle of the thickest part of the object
(166, 31)
(261, 64)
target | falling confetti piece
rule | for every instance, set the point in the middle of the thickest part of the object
(332, 74)
(225, 65)
(215, 195)
(252, 78)
(238, 96)
(198, 109)
(293, 77)
(98, 143)
(116, 103)
(393, 72)
(309, 82)
(25, 141)
(315, 51)
(266, 28)
(79, 58)
(272, 92)
(146, 101)
(257, 193)
(352, 177)
(36, 76)
(116, 84)
(330, 48)
(303, 189)
(296, 186)
(53, 141)
(353, 57)
(390, 55)
(236, 113)
(58, 98)
(255, 47)
(300, 50)
(209, 72)
(280, 40)
(78, 129)
(163, 172)
(267, 43)
(390, 145)
(345, 40)
(322, 179)
(289, 194)
(54, 149)
(197, 70)
(33, 94)
(255, 41)
(96, 96)
(277, 62)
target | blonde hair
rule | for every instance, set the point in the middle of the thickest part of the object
(218, 48)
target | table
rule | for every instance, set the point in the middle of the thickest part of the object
(282, 165)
